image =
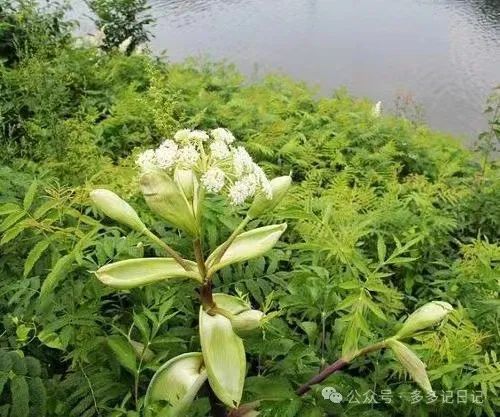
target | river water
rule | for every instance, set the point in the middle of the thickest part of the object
(443, 55)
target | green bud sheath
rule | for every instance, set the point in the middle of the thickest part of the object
(426, 316)
(247, 321)
(134, 273)
(412, 364)
(167, 199)
(231, 303)
(224, 357)
(261, 204)
(177, 382)
(246, 246)
(117, 209)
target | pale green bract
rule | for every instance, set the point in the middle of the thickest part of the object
(138, 272)
(224, 357)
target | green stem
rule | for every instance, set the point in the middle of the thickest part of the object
(167, 249)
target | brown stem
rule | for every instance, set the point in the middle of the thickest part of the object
(338, 365)
(198, 253)
(206, 297)
(325, 373)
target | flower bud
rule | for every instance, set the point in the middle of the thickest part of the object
(247, 320)
(133, 273)
(117, 209)
(165, 197)
(177, 382)
(412, 364)
(187, 182)
(261, 204)
(425, 316)
(245, 246)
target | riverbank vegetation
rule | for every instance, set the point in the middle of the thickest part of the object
(383, 216)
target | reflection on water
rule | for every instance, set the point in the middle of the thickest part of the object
(445, 53)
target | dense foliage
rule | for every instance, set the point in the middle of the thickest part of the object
(384, 215)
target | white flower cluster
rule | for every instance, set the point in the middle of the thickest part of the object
(221, 166)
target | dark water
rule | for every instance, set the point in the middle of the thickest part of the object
(444, 54)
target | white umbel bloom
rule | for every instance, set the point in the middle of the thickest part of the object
(222, 134)
(166, 154)
(182, 136)
(187, 157)
(264, 183)
(219, 150)
(198, 136)
(243, 189)
(242, 161)
(147, 160)
(213, 180)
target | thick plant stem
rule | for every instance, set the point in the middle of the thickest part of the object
(206, 297)
(337, 366)
(167, 249)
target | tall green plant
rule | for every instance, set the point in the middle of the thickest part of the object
(176, 179)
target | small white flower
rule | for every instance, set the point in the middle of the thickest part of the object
(219, 150)
(223, 135)
(213, 180)
(147, 160)
(198, 136)
(182, 136)
(264, 183)
(166, 154)
(187, 156)
(242, 161)
(377, 109)
(243, 189)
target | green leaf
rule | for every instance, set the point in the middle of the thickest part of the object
(13, 232)
(246, 246)
(11, 219)
(34, 255)
(30, 195)
(381, 249)
(124, 352)
(224, 357)
(138, 272)
(9, 208)
(61, 268)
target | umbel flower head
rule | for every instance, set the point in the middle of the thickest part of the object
(221, 167)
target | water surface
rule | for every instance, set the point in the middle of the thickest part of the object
(444, 54)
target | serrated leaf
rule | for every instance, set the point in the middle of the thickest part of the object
(138, 272)
(11, 219)
(381, 249)
(13, 232)
(9, 208)
(30, 195)
(224, 357)
(61, 268)
(124, 352)
(34, 255)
